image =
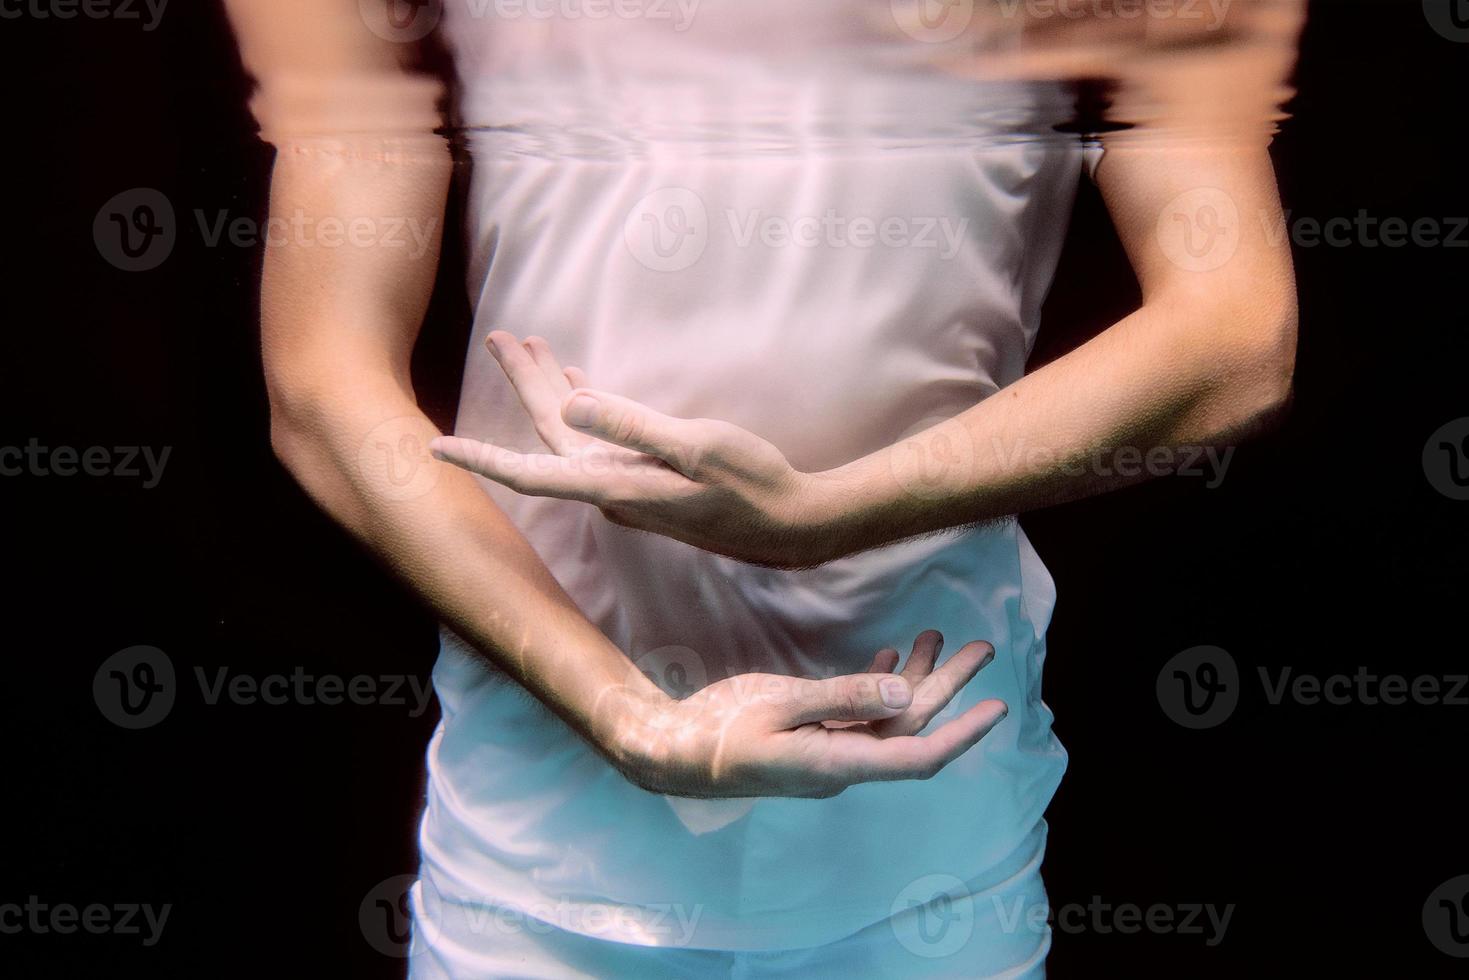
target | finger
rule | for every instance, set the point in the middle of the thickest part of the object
(933, 693)
(858, 758)
(925, 651)
(884, 662)
(624, 422)
(852, 697)
(540, 352)
(576, 377)
(535, 474)
(541, 402)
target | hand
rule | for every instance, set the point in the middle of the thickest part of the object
(704, 482)
(771, 735)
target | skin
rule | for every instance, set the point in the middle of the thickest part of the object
(1208, 356)
(1203, 363)
(1206, 360)
(354, 138)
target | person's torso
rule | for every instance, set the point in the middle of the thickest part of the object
(799, 225)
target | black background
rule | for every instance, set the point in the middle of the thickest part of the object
(1324, 549)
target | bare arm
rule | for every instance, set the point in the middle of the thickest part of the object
(355, 147)
(355, 142)
(1206, 359)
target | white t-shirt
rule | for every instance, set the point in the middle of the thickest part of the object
(784, 216)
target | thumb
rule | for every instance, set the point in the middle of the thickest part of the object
(853, 697)
(624, 422)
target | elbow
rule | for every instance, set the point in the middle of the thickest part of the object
(348, 434)
(304, 440)
(1254, 393)
(296, 424)
(1240, 352)
(1273, 364)
(286, 443)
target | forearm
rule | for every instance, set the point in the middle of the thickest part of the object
(1107, 415)
(1206, 358)
(338, 328)
(339, 318)
(360, 453)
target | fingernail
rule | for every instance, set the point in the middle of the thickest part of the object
(436, 448)
(493, 344)
(582, 411)
(895, 692)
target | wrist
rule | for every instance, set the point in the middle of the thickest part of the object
(924, 483)
(827, 520)
(626, 726)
